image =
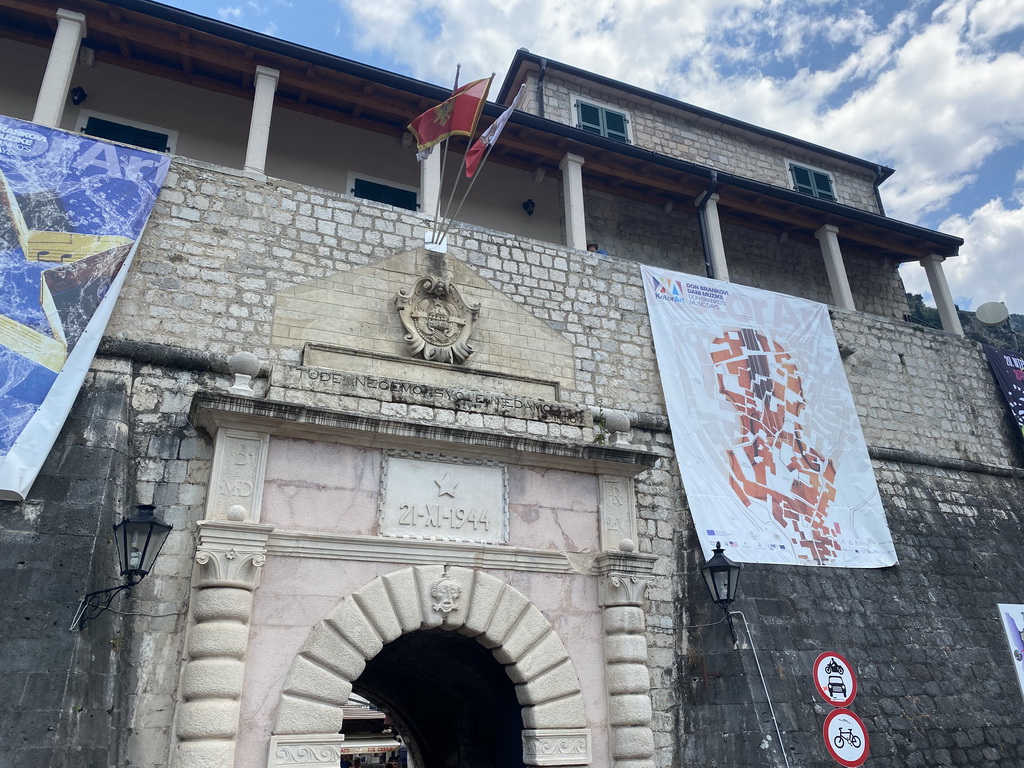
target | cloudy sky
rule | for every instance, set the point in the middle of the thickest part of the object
(933, 89)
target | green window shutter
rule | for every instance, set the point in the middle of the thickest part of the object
(802, 181)
(589, 118)
(822, 185)
(126, 134)
(403, 198)
(811, 182)
(382, 193)
(615, 125)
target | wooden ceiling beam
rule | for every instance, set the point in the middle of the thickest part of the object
(848, 228)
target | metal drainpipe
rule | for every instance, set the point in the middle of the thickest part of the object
(878, 194)
(703, 227)
(540, 88)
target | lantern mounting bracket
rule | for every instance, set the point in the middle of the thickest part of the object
(95, 603)
(138, 539)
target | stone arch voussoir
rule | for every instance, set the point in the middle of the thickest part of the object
(480, 606)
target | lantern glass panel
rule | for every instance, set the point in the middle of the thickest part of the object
(139, 540)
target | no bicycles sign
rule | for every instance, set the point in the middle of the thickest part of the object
(846, 738)
(834, 679)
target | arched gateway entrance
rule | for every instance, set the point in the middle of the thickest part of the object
(399, 625)
(451, 700)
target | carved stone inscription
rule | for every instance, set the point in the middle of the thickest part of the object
(236, 480)
(428, 497)
(618, 519)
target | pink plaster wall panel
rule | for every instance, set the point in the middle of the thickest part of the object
(570, 604)
(321, 487)
(295, 594)
(552, 509)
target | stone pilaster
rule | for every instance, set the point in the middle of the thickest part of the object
(572, 192)
(828, 239)
(941, 293)
(229, 556)
(624, 579)
(60, 67)
(716, 245)
(259, 124)
(617, 513)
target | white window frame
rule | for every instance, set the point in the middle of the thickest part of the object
(85, 114)
(350, 185)
(575, 98)
(800, 163)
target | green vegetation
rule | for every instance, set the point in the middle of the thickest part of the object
(996, 336)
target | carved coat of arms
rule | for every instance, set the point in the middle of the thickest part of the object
(437, 321)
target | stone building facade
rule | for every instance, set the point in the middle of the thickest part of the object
(555, 614)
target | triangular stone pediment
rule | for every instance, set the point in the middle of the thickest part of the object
(356, 311)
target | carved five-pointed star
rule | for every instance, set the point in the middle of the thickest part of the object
(446, 486)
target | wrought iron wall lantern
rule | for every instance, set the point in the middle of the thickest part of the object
(139, 539)
(722, 576)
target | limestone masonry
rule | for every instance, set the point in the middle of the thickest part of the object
(446, 484)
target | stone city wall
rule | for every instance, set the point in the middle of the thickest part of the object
(936, 683)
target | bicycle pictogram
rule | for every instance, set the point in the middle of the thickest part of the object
(845, 736)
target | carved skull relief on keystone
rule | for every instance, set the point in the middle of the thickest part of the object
(437, 321)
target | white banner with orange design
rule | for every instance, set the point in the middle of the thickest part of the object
(765, 430)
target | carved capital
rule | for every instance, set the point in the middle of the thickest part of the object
(231, 554)
(565, 746)
(623, 589)
(625, 577)
(230, 569)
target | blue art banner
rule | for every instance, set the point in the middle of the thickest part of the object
(72, 210)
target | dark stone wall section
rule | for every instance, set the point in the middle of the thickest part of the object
(936, 678)
(60, 687)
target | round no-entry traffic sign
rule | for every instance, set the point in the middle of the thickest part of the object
(846, 738)
(834, 679)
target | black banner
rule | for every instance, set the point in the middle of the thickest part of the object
(1008, 368)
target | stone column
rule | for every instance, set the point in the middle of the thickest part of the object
(940, 290)
(430, 183)
(259, 124)
(53, 92)
(572, 192)
(624, 579)
(232, 549)
(829, 241)
(713, 230)
(229, 555)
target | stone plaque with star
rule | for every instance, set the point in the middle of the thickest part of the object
(426, 496)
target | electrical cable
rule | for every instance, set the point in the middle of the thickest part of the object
(771, 708)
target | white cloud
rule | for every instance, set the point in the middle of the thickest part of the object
(230, 13)
(933, 90)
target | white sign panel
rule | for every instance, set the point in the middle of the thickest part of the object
(1012, 616)
(846, 738)
(449, 499)
(835, 679)
(764, 426)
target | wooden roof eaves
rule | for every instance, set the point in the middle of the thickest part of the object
(777, 200)
(218, 44)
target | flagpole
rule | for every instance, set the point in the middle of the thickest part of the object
(468, 189)
(451, 196)
(487, 153)
(444, 155)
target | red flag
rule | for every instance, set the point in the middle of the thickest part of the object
(455, 117)
(490, 136)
